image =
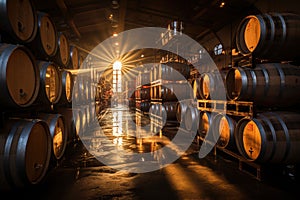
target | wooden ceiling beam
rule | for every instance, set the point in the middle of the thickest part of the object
(62, 6)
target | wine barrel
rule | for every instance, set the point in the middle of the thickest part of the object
(50, 83)
(223, 128)
(19, 76)
(25, 149)
(211, 84)
(271, 137)
(170, 108)
(205, 122)
(272, 36)
(18, 21)
(67, 82)
(58, 132)
(69, 118)
(176, 91)
(196, 88)
(62, 55)
(74, 57)
(269, 84)
(191, 118)
(181, 107)
(44, 46)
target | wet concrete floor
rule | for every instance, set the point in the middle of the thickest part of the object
(82, 175)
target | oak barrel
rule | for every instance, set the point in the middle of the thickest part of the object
(67, 82)
(171, 110)
(268, 84)
(271, 137)
(50, 83)
(58, 132)
(62, 56)
(211, 84)
(74, 57)
(181, 107)
(176, 91)
(205, 122)
(25, 149)
(44, 46)
(191, 118)
(223, 127)
(18, 21)
(19, 76)
(272, 36)
(70, 123)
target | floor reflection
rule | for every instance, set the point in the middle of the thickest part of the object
(126, 137)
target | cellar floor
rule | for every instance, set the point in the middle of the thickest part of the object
(80, 175)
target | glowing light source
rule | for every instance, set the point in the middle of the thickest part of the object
(222, 4)
(117, 65)
(115, 34)
(142, 56)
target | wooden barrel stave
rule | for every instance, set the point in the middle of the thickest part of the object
(50, 83)
(58, 132)
(26, 150)
(18, 90)
(18, 21)
(44, 46)
(261, 34)
(271, 137)
(269, 84)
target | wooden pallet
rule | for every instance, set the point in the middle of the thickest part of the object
(249, 167)
(237, 108)
(243, 163)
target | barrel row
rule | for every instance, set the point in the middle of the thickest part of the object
(266, 85)
(26, 81)
(270, 137)
(270, 36)
(34, 143)
(22, 24)
(30, 145)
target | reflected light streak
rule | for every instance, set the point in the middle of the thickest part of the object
(182, 182)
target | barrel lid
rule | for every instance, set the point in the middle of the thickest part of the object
(224, 131)
(22, 19)
(22, 89)
(64, 48)
(252, 140)
(38, 151)
(48, 34)
(252, 33)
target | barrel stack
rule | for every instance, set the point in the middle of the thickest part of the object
(267, 134)
(37, 122)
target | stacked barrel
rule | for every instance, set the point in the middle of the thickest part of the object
(36, 94)
(269, 135)
(171, 95)
(208, 88)
(142, 92)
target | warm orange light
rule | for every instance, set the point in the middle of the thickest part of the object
(222, 4)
